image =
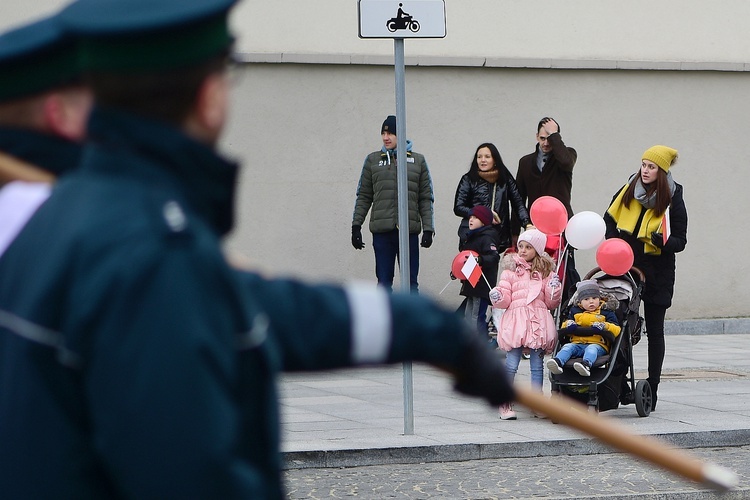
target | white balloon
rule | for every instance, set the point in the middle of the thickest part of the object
(585, 230)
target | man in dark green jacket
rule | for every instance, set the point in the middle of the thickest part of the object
(136, 363)
(378, 189)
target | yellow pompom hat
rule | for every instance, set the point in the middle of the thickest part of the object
(664, 156)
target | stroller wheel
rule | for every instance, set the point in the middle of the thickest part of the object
(643, 400)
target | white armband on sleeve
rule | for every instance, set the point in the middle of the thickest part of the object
(371, 329)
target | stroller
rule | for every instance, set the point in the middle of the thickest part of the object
(612, 379)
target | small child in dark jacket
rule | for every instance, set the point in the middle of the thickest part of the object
(484, 240)
(586, 313)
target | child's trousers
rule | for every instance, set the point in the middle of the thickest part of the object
(589, 352)
(536, 363)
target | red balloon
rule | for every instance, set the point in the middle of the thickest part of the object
(614, 256)
(548, 214)
(459, 261)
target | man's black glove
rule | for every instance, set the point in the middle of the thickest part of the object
(481, 372)
(357, 237)
(657, 239)
(427, 239)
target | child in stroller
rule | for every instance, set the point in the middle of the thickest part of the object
(612, 378)
(587, 313)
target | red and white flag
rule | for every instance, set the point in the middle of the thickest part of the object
(472, 271)
(666, 226)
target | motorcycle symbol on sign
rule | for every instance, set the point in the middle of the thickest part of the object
(402, 21)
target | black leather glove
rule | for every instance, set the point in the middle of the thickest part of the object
(657, 239)
(452, 276)
(427, 239)
(357, 237)
(481, 372)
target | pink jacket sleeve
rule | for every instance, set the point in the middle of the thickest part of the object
(504, 287)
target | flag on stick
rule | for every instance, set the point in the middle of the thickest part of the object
(472, 271)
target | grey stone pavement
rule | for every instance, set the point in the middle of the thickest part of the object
(355, 417)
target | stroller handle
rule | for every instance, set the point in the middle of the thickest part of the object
(639, 274)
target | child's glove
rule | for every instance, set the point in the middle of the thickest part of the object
(452, 276)
(570, 325)
(495, 295)
(554, 281)
(598, 325)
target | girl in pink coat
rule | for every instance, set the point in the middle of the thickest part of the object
(528, 288)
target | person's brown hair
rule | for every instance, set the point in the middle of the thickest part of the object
(543, 265)
(660, 186)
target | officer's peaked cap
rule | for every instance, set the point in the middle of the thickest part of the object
(36, 57)
(143, 35)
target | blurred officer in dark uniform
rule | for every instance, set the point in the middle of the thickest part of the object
(43, 111)
(136, 363)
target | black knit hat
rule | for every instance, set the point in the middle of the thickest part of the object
(389, 125)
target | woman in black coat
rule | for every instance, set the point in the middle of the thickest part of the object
(489, 183)
(636, 215)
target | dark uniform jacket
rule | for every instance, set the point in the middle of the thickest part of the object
(484, 241)
(46, 151)
(659, 270)
(556, 179)
(472, 192)
(135, 362)
(25, 152)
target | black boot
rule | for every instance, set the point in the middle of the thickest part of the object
(654, 387)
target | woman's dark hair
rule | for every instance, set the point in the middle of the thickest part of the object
(660, 186)
(499, 165)
(167, 96)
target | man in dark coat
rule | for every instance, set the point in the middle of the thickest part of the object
(137, 363)
(548, 171)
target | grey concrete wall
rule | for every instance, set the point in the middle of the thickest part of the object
(668, 30)
(302, 132)
(636, 30)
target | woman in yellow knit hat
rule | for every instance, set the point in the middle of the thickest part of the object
(649, 213)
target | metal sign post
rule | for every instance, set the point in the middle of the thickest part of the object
(399, 20)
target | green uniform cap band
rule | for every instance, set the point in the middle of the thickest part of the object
(44, 71)
(166, 49)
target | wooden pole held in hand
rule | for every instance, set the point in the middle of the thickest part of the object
(650, 449)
